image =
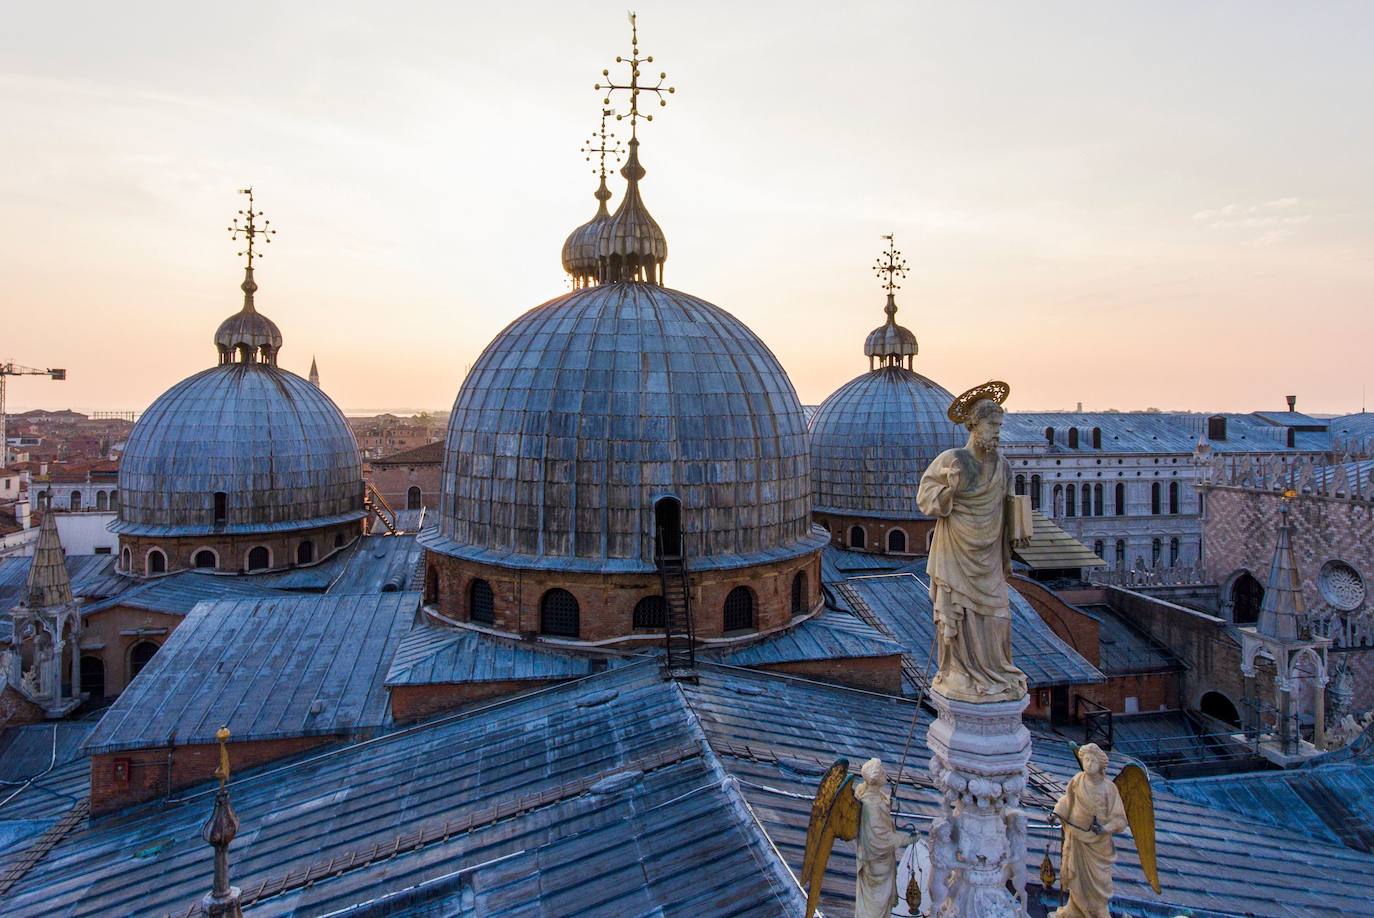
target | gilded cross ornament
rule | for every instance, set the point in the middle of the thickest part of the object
(892, 264)
(602, 144)
(250, 230)
(634, 87)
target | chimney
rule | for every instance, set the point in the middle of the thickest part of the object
(21, 513)
(1216, 428)
(1292, 402)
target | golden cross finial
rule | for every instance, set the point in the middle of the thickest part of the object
(222, 736)
(892, 264)
(250, 230)
(633, 87)
(601, 139)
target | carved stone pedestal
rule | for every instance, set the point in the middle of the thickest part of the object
(978, 846)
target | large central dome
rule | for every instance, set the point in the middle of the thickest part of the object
(589, 409)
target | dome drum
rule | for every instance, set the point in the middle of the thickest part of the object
(227, 554)
(606, 604)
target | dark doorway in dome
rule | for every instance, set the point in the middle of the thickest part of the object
(668, 527)
(221, 506)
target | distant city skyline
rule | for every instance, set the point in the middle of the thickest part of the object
(1127, 206)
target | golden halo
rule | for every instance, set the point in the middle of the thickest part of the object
(995, 390)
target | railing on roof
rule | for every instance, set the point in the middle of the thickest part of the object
(1345, 475)
(1140, 576)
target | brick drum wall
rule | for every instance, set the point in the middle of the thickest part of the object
(233, 550)
(606, 601)
(119, 779)
(875, 531)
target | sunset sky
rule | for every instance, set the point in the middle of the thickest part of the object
(1127, 205)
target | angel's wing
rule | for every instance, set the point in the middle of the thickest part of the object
(834, 814)
(1138, 800)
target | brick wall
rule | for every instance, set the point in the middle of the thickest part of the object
(872, 674)
(876, 532)
(416, 702)
(110, 636)
(394, 482)
(120, 779)
(1070, 625)
(232, 551)
(606, 601)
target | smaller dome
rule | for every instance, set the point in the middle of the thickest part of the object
(248, 333)
(632, 245)
(582, 248)
(890, 342)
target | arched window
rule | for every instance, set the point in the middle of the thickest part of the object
(1097, 438)
(1049, 435)
(1121, 554)
(139, 656)
(1173, 551)
(1246, 596)
(102, 500)
(1154, 498)
(205, 558)
(799, 593)
(157, 562)
(1020, 484)
(126, 559)
(558, 614)
(1099, 549)
(1070, 500)
(114, 499)
(221, 506)
(482, 604)
(259, 558)
(651, 612)
(1097, 499)
(1073, 438)
(1173, 497)
(93, 676)
(1058, 508)
(1156, 550)
(1119, 499)
(896, 542)
(739, 609)
(76, 500)
(1087, 501)
(305, 552)
(431, 585)
(1035, 492)
(857, 539)
(413, 501)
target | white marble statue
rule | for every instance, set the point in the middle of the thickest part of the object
(1091, 812)
(878, 846)
(967, 491)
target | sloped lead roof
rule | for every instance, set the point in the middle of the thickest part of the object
(586, 410)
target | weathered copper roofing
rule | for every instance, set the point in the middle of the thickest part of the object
(872, 440)
(586, 410)
(276, 446)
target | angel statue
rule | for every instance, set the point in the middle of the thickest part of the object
(1091, 811)
(858, 810)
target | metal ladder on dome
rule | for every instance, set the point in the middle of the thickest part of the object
(679, 644)
(377, 505)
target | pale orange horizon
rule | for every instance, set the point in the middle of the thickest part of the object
(1127, 206)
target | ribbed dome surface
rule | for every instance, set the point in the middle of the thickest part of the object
(277, 447)
(873, 438)
(248, 328)
(586, 410)
(890, 340)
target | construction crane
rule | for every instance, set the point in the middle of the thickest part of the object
(6, 371)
